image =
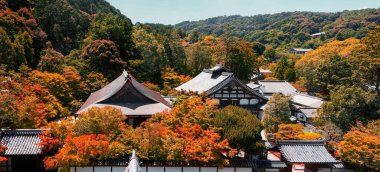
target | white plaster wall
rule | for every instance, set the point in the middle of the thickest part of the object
(227, 169)
(190, 169)
(103, 169)
(209, 169)
(243, 169)
(119, 169)
(155, 169)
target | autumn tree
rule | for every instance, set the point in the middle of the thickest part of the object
(27, 105)
(329, 64)
(277, 111)
(79, 151)
(241, 128)
(295, 132)
(348, 105)
(100, 53)
(186, 134)
(56, 83)
(51, 60)
(106, 120)
(2, 150)
(171, 80)
(361, 146)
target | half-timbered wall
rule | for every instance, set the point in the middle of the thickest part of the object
(235, 95)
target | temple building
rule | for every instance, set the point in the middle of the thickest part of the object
(22, 151)
(223, 86)
(308, 155)
(135, 100)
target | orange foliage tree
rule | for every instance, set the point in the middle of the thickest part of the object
(80, 150)
(185, 134)
(27, 105)
(361, 146)
(295, 132)
(171, 80)
(2, 149)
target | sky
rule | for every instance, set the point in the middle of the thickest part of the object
(176, 11)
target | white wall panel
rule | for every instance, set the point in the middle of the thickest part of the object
(226, 169)
(209, 169)
(173, 169)
(190, 169)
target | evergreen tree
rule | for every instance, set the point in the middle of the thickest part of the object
(277, 111)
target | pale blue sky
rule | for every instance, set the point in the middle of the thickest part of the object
(175, 11)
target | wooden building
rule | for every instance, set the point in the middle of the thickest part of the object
(308, 155)
(223, 86)
(134, 99)
(23, 152)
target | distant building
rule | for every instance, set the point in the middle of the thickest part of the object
(308, 155)
(23, 152)
(135, 100)
(304, 107)
(299, 50)
(223, 86)
(318, 34)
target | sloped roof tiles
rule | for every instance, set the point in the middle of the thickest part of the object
(21, 141)
(306, 151)
(125, 93)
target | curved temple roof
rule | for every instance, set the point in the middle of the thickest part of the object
(129, 95)
(21, 141)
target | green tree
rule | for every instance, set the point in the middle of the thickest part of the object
(270, 54)
(241, 59)
(25, 49)
(334, 71)
(153, 54)
(290, 72)
(372, 60)
(241, 128)
(7, 51)
(116, 28)
(276, 112)
(348, 105)
(259, 48)
(280, 68)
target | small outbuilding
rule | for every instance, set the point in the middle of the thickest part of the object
(308, 155)
(22, 150)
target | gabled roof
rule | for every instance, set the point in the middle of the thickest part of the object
(129, 95)
(274, 86)
(307, 100)
(306, 151)
(211, 80)
(21, 141)
(206, 80)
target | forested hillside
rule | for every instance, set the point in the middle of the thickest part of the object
(289, 29)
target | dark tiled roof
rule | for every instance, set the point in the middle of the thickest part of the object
(21, 141)
(305, 151)
(129, 95)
